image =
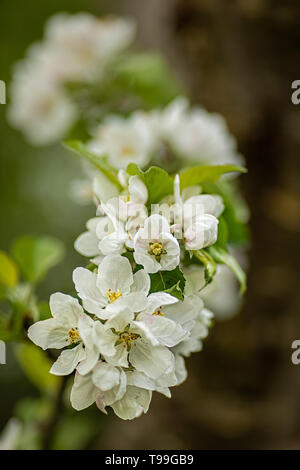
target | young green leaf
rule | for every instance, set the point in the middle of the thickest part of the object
(210, 266)
(203, 173)
(157, 180)
(98, 162)
(172, 282)
(36, 255)
(220, 255)
(9, 272)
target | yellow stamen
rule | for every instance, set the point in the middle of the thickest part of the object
(113, 295)
(73, 335)
(156, 249)
(127, 338)
(158, 313)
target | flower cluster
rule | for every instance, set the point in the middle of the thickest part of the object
(174, 132)
(135, 321)
(76, 49)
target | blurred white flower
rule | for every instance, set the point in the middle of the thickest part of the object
(87, 43)
(124, 140)
(40, 109)
(195, 134)
(221, 295)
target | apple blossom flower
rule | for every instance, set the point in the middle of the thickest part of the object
(70, 326)
(106, 388)
(155, 248)
(196, 135)
(124, 140)
(113, 288)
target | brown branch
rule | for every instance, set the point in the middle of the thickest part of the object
(51, 425)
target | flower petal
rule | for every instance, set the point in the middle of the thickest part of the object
(154, 361)
(84, 392)
(135, 402)
(106, 376)
(48, 334)
(68, 360)
(65, 309)
(87, 244)
(114, 273)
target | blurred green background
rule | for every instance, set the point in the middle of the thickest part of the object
(238, 58)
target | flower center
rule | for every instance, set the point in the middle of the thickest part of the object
(73, 336)
(157, 249)
(127, 338)
(127, 150)
(158, 312)
(113, 295)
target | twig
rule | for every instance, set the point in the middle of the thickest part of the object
(50, 427)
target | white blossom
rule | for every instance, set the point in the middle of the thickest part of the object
(196, 135)
(70, 326)
(155, 248)
(124, 140)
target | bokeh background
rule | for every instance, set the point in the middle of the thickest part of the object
(239, 58)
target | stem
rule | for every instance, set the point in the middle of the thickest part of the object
(50, 427)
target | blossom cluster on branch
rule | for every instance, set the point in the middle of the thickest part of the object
(169, 214)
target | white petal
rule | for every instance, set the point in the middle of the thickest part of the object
(87, 244)
(207, 203)
(167, 332)
(49, 334)
(135, 402)
(141, 282)
(85, 285)
(202, 233)
(120, 358)
(135, 301)
(137, 190)
(68, 360)
(91, 359)
(120, 319)
(154, 226)
(65, 309)
(106, 376)
(113, 244)
(114, 273)
(152, 360)
(84, 392)
(104, 339)
(103, 188)
(104, 228)
(180, 369)
(159, 299)
(146, 260)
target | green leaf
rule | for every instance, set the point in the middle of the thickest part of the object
(204, 173)
(9, 272)
(157, 180)
(222, 233)
(235, 209)
(36, 366)
(222, 256)
(147, 76)
(172, 282)
(210, 266)
(36, 255)
(98, 162)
